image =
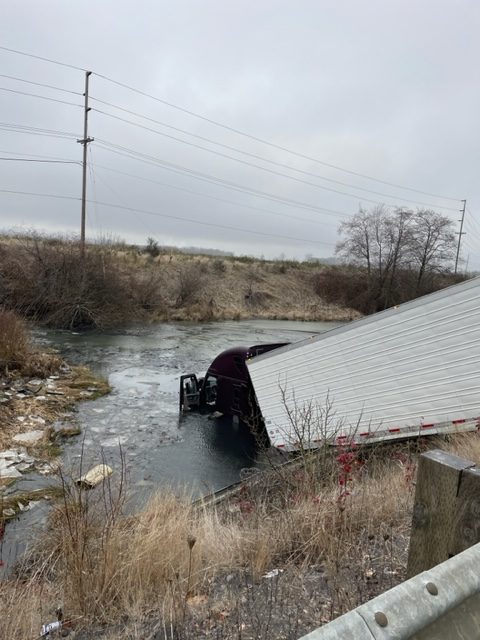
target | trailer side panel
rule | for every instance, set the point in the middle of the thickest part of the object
(414, 368)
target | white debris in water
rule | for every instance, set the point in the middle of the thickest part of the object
(27, 507)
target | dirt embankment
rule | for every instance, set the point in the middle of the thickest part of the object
(217, 288)
(49, 281)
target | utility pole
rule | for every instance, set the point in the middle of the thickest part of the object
(85, 142)
(461, 233)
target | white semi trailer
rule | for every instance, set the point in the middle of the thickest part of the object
(411, 370)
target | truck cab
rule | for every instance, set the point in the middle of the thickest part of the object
(226, 388)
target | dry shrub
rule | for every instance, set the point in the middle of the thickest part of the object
(219, 266)
(24, 608)
(52, 282)
(191, 282)
(354, 287)
(147, 290)
(347, 510)
(464, 445)
(14, 344)
(16, 353)
(112, 567)
(346, 287)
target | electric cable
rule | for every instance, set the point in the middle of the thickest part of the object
(253, 155)
(227, 127)
(141, 157)
(31, 55)
(205, 195)
(270, 144)
(36, 95)
(42, 161)
(40, 84)
(167, 215)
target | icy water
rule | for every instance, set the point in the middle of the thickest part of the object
(143, 366)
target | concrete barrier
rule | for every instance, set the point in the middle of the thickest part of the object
(442, 603)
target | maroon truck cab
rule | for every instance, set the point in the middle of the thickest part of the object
(226, 387)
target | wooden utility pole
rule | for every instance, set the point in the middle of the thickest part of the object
(85, 142)
(461, 233)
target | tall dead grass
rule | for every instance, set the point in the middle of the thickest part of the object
(14, 344)
(48, 280)
(110, 567)
(17, 353)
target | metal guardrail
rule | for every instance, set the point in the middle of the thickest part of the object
(440, 604)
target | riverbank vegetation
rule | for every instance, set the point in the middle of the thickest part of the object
(290, 550)
(383, 262)
(38, 393)
(47, 280)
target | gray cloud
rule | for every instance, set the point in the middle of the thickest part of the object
(386, 89)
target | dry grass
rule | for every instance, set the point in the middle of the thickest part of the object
(14, 343)
(150, 570)
(110, 567)
(47, 280)
(16, 352)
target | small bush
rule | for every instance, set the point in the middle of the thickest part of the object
(55, 284)
(191, 281)
(219, 267)
(152, 248)
(14, 344)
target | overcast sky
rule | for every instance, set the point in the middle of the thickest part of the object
(389, 89)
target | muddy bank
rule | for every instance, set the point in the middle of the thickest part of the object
(36, 417)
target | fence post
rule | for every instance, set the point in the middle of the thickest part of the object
(446, 513)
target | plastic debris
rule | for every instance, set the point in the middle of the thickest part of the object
(49, 628)
(273, 574)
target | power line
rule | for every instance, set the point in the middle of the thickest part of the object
(31, 55)
(271, 171)
(20, 128)
(40, 84)
(169, 166)
(39, 195)
(166, 215)
(271, 144)
(211, 224)
(36, 95)
(251, 155)
(46, 161)
(35, 133)
(205, 195)
(229, 128)
(34, 155)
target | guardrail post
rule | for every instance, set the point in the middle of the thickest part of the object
(446, 513)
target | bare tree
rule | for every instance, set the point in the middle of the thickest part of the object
(390, 244)
(432, 246)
